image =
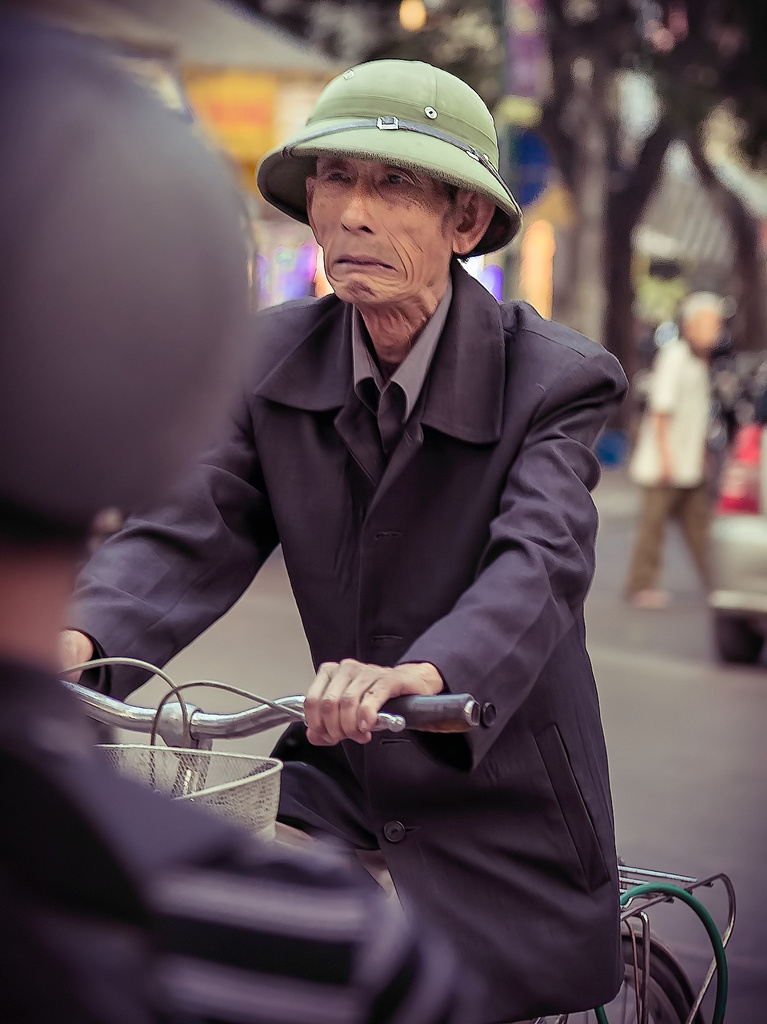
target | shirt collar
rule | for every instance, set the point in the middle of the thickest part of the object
(411, 373)
(467, 374)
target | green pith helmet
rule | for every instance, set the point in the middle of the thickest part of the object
(405, 113)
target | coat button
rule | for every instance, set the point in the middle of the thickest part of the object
(394, 831)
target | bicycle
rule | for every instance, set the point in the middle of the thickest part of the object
(245, 788)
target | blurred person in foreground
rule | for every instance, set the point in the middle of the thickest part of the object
(670, 457)
(424, 456)
(122, 324)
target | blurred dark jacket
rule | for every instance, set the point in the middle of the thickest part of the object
(122, 272)
(472, 549)
(121, 906)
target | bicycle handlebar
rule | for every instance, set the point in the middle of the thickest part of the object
(449, 712)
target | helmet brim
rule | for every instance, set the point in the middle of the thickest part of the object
(283, 171)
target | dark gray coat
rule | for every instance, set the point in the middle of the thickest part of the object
(472, 549)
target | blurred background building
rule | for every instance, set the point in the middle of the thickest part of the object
(632, 131)
(243, 81)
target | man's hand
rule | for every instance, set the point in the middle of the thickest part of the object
(344, 699)
(74, 648)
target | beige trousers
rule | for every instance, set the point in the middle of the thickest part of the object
(690, 507)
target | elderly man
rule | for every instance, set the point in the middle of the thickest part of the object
(423, 456)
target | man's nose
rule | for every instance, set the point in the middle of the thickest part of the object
(357, 214)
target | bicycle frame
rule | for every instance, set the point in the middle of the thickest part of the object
(636, 909)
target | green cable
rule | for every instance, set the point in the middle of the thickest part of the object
(601, 1015)
(667, 889)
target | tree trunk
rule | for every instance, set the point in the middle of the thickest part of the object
(586, 117)
(750, 321)
(619, 315)
(625, 208)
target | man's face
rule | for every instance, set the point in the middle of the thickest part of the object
(702, 331)
(387, 233)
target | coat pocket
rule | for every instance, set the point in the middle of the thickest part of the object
(572, 806)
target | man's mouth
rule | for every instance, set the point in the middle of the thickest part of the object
(362, 261)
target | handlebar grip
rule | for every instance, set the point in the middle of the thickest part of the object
(448, 712)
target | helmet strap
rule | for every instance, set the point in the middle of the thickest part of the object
(387, 124)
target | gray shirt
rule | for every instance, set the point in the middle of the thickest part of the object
(392, 401)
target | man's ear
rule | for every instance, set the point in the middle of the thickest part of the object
(473, 215)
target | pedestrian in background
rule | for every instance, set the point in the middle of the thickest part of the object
(669, 460)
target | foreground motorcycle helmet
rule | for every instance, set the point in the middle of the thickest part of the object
(123, 291)
(405, 113)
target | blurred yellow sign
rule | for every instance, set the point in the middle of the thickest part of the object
(519, 110)
(237, 107)
(536, 276)
(554, 205)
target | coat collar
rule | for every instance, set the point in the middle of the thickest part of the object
(464, 390)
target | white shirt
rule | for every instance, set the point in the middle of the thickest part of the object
(679, 386)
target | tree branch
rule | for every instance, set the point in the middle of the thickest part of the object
(631, 199)
(750, 319)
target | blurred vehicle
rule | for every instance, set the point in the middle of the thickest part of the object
(738, 597)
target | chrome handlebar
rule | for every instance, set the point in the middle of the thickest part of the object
(440, 713)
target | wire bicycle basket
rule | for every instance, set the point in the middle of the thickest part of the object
(243, 788)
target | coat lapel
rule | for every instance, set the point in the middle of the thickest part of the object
(407, 447)
(462, 397)
(316, 375)
(466, 383)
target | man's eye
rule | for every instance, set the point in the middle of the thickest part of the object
(335, 176)
(396, 179)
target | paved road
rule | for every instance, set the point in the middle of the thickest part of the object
(687, 747)
(686, 737)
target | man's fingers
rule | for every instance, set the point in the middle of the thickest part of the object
(321, 702)
(339, 703)
(345, 698)
(422, 678)
(313, 697)
(368, 684)
(319, 739)
(332, 702)
(371, 703)
(74, 649)
(321, 680)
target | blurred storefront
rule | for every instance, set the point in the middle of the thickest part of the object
(682, 242)
(250, 86)
(246, 84)
(247, 112)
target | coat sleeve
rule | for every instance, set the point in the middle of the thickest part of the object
(538, 564)
(173, 570)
